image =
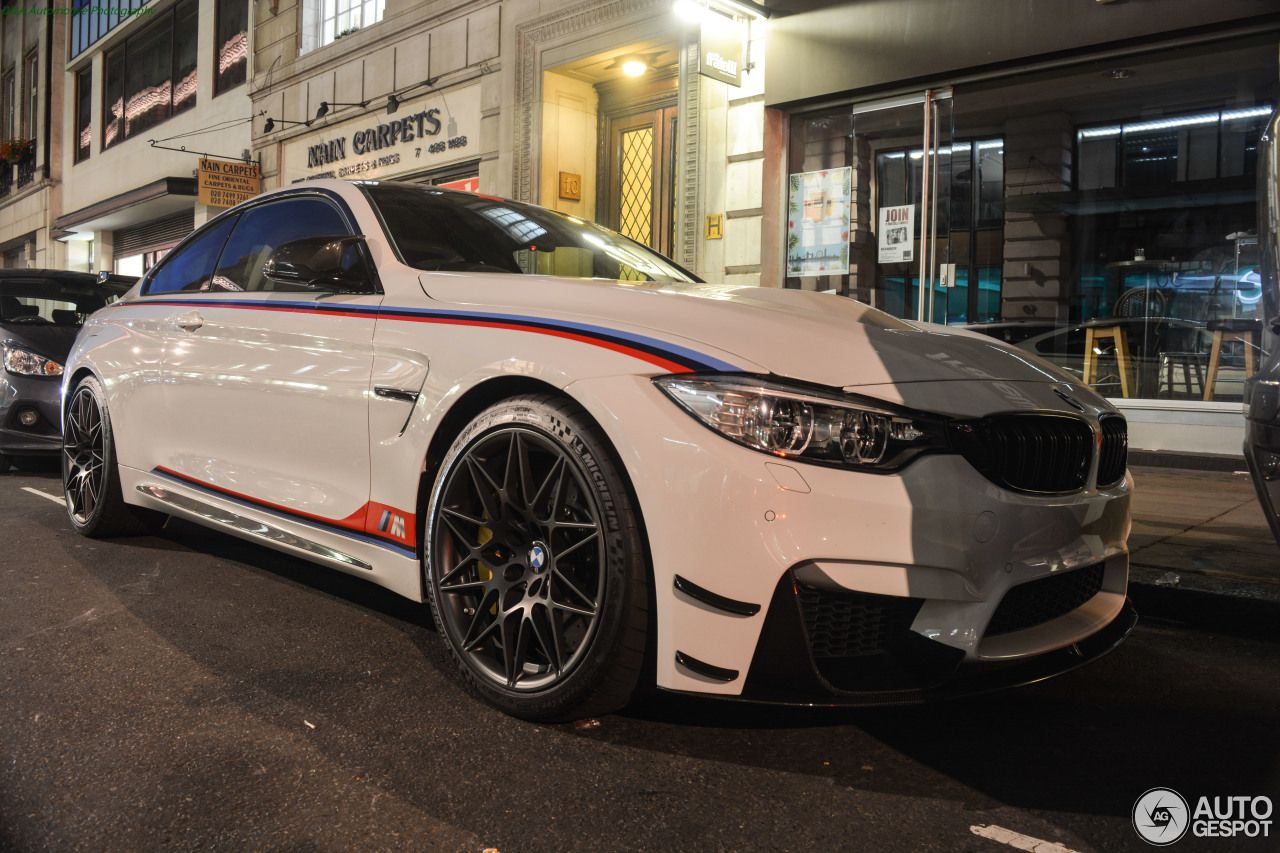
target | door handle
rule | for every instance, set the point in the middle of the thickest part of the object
(189, 321)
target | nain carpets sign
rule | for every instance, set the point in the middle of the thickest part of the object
(437, 130)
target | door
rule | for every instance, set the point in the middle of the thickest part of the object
(636, 194)
(267, 385)
(904, 153)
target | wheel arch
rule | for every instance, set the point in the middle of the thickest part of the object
(472, 403)
(70, 383)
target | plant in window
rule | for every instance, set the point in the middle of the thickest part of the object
(14, 149)
(348, 31)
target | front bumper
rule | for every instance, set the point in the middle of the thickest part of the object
(921, 560)
(777, 680)
(21, 393)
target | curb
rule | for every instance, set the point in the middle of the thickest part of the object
(1222, 605)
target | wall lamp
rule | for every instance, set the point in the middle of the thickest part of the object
(271, 123)
(324, 106)
(393, 100)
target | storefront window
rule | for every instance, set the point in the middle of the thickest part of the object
(1110, 228)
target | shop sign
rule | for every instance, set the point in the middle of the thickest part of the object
(437, 130)
(720, 48)
(226, 183)
(897, 233)
(818, 222)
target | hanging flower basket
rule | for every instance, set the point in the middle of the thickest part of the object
(13, 150)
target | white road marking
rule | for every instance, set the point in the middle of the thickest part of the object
(1021, 842)
(55, 498)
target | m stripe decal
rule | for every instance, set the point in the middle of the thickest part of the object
(668, 356)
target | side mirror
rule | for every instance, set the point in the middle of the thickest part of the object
(325, 263)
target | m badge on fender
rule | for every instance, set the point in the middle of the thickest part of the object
(391, 524)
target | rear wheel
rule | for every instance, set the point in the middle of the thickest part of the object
(90, 477)
(536, 564)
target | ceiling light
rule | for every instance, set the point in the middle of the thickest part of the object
(634, 66)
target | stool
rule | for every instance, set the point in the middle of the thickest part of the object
(1186, 362)
(1101, 333)
(1227, 332)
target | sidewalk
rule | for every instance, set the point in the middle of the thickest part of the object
(1201, 550)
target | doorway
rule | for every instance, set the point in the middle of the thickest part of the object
(637, 167)
(926, 209)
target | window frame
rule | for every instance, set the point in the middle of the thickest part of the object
(321, 31)
(219, 86)
(120, 54)
(83, 78)
(8, 93)
(31, 99)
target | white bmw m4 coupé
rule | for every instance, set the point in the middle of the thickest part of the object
(600, 471)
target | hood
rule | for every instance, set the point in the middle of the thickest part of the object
(49, 341)
(815, 337)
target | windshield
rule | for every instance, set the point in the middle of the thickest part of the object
(39, 301)
(437, 229)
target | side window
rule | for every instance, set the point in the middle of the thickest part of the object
(265, 227)
(190, 267)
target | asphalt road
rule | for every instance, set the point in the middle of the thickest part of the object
(189, 691)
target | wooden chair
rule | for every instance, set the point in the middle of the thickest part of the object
(1231, 331)
(1094, 334)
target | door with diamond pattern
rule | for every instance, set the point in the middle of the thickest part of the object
(641, 176)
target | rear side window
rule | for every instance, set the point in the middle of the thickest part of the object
(191, 267)
(261, 229)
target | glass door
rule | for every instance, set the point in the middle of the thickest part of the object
(903, 152)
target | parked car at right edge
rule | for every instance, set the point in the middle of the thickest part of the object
(1262, 390)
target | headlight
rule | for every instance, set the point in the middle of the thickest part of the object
(25, 363)
(811, 426)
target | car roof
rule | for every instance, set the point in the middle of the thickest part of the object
(65, 276)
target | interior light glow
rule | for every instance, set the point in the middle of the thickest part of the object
(634, 67)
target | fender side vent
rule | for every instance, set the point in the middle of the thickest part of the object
(711, 599)
(705, 669)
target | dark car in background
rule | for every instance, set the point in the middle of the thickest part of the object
(40, 313)
(1262, 389)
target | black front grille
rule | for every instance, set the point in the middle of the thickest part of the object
(1035, 453)
(853, 624)
(1037, 602)
(1115, 450)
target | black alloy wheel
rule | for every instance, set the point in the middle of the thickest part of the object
(535, 563)
(90, 481)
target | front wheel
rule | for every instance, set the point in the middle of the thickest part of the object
(90, 478)
(536, 564)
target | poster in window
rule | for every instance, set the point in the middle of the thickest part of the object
(818, 223)
(897, 233)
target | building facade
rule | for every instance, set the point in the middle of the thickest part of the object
(145, 89)
(30, 138)
(531, 101)
(1077, 178)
